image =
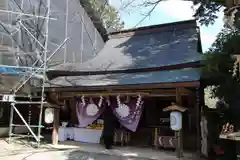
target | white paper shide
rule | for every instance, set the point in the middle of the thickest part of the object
(122, 110)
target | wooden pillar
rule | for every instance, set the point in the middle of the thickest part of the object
(55, 126)
(73, 113)
(156, 138)
(198, 119)
(179, 133)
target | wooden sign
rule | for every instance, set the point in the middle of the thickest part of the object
(8, 98)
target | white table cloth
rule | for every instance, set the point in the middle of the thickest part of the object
(87, 135)
(79, 134)
(65, 133)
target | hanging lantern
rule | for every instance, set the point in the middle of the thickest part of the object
(49, 115)
(176, 120)
(175, 116)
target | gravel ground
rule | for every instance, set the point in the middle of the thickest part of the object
(81, 151)
(65, 155)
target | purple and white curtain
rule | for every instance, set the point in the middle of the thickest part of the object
(128, 111)
(88, 110)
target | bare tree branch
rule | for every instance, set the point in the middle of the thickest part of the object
(123, 7)
(206, 12)
(147, 3)
(148, 14)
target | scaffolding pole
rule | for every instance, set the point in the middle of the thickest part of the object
(20, 85)
(42, 102)
(31, 71)
(66, 33)
(44, 72)
(25, 14)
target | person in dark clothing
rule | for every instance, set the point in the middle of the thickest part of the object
(109, 127)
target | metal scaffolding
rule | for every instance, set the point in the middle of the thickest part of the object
(26, 35)
(19, 23)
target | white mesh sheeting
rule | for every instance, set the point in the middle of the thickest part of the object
(84, 40)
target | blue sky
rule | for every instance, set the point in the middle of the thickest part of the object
(166, 12)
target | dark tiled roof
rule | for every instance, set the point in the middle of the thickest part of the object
(170, 45)
(147, 47)
(183, 75)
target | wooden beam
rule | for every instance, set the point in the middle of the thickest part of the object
(126, 92)
(111, 88)
(111, 93)
(66, 95)
(54, 98)
(61, 96)
(55, 127)
(49, 106)
(185, 91)
(61, 73)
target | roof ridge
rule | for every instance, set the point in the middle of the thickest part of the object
(165, 27)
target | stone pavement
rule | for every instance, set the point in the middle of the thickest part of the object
(131, 152)
(64, 155)
(72, 155)
(79, 151)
